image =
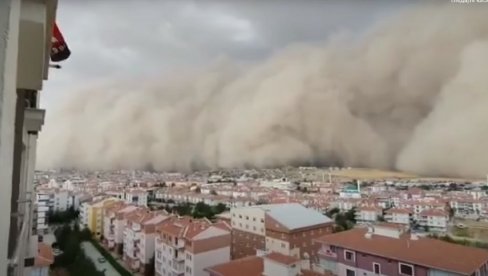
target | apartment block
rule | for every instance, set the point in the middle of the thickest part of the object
(114, 224)
(51, 200)
(388, 249)
(435, 220)
(91, 215)
(271, 264)
(368, 214)
(399, 216)
(287, 228)
(186, 246)
(139, 238)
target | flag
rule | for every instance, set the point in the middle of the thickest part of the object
(59, 48)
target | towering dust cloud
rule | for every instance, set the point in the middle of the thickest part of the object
(411, 95)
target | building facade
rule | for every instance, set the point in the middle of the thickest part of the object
(389, 249)
(25, 44)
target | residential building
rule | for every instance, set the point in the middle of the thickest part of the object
(25, 47)
(186, 246)
(388, 249)
(51, 200)
(91, 215)
(114, 223)
(138, 236)
(399, 216)
(434, 220)
(368, 214)
(137, 197)
(285, 228)
(272, 264)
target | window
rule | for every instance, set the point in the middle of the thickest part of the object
(349, 255)
(253, 219)
(332, 249)
(376, 268)
(240, 216)
(405, 269)
(247, 217)
(262, 220)
(350, 272)
(282, 245)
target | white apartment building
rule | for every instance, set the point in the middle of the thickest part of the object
(368, 214)
(115, 223)
(467, 206)
(186, 247)
(399, 216)
(249, 219)
(435, 220)
(25, 46)
(137, 197)
(139, 234)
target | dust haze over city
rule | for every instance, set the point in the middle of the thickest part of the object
(378, 85)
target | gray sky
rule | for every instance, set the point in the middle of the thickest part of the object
(120, 39)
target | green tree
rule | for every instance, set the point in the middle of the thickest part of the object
(219, 208)
(203, 210)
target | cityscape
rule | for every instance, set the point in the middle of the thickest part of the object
(243, 138)
(288, 221)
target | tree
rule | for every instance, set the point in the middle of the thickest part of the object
(198, 190)
(203, 210)
(332, 212)
(220, 208)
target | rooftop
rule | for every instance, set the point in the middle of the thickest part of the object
(294, 215)
(249, 266)
(282, 259)
(422, 251)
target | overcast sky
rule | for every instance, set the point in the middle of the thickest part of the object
(118, 39)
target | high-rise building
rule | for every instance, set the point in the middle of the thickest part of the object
(25, 45)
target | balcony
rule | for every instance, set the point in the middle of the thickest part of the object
(179, 256)
(179, 244)
(178, 269)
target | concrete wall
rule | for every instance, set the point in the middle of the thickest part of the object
(207, 259)
(248, 219)
(9, 23)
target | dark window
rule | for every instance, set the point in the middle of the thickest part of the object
(350, 272)
(349, 255)
(376, 268)
(332, 249)
(406, 269)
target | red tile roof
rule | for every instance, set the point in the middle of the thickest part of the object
(249, 266)
(423, 251)
(282, 259)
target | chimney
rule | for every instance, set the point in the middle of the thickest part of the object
(370, 232)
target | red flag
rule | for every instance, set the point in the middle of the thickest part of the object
(59, 48)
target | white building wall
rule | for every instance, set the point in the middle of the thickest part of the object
(277, 245)
(249, 219)
(149, 247)
(9, 32)
(272, 268)
(206, 259)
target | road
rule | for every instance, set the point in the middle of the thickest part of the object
(93, 254)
